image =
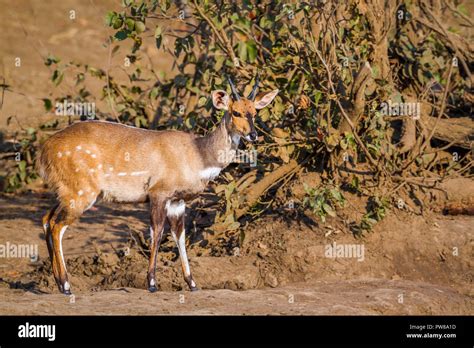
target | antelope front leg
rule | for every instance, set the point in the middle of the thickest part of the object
(158, 217)
(178, 234)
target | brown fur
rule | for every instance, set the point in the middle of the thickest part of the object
(171, 159)
(244, 107)
(128, 164)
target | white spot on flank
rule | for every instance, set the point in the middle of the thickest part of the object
(175, 209)
(209, 173)
(99, 166)
(111, 169)
(91, 170)
(88, 152)
(78, 148)
(93, 155)
(138, 173)
(77, 169)
(60, 154)
(68, 153)
(122, 174)
(106, 175)
(80, 193)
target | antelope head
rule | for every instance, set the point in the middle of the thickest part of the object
(241, 111)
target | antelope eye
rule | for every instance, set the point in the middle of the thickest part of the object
(236, 114)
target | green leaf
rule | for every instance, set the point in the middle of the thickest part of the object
(158, 32)
(22, 166)
(219, 62)
(154, 93)
(48, 105)
(110, 18)
(202, 101)
(118, 22)
(130, 23)
(251, 51)
(337, 195)
(242, 51)
(329, 210)
(121, 35)
(139, 27)
(264, 114)
(51, 60)
(265, 23)
(57, 77)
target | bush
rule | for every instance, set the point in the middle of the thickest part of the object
(337, 66)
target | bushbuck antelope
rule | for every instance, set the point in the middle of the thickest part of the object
(126, 164)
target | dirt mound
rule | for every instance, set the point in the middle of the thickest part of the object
(278, 253)
(427, 258)
(109, 271)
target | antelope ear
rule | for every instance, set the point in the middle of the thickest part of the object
(263, 100)
(220, 99)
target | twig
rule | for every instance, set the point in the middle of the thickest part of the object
(222, 38)
(462, 15)
(109, 98)
(440, 30)
(441, 111)
(348, 120)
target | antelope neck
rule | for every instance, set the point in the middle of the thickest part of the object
(217, 148)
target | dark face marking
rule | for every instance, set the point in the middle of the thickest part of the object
(243, 113)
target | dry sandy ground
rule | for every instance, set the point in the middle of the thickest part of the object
(407, 269)
(361, 297)
(31, 30)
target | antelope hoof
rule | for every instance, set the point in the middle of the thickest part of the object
(191, 284)
(152, 289)
(65, 291)
(152, 285)
(65, 288)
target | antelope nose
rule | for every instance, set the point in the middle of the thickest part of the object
(253, 136)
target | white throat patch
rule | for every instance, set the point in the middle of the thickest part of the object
(236, 139)
(209, 173)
